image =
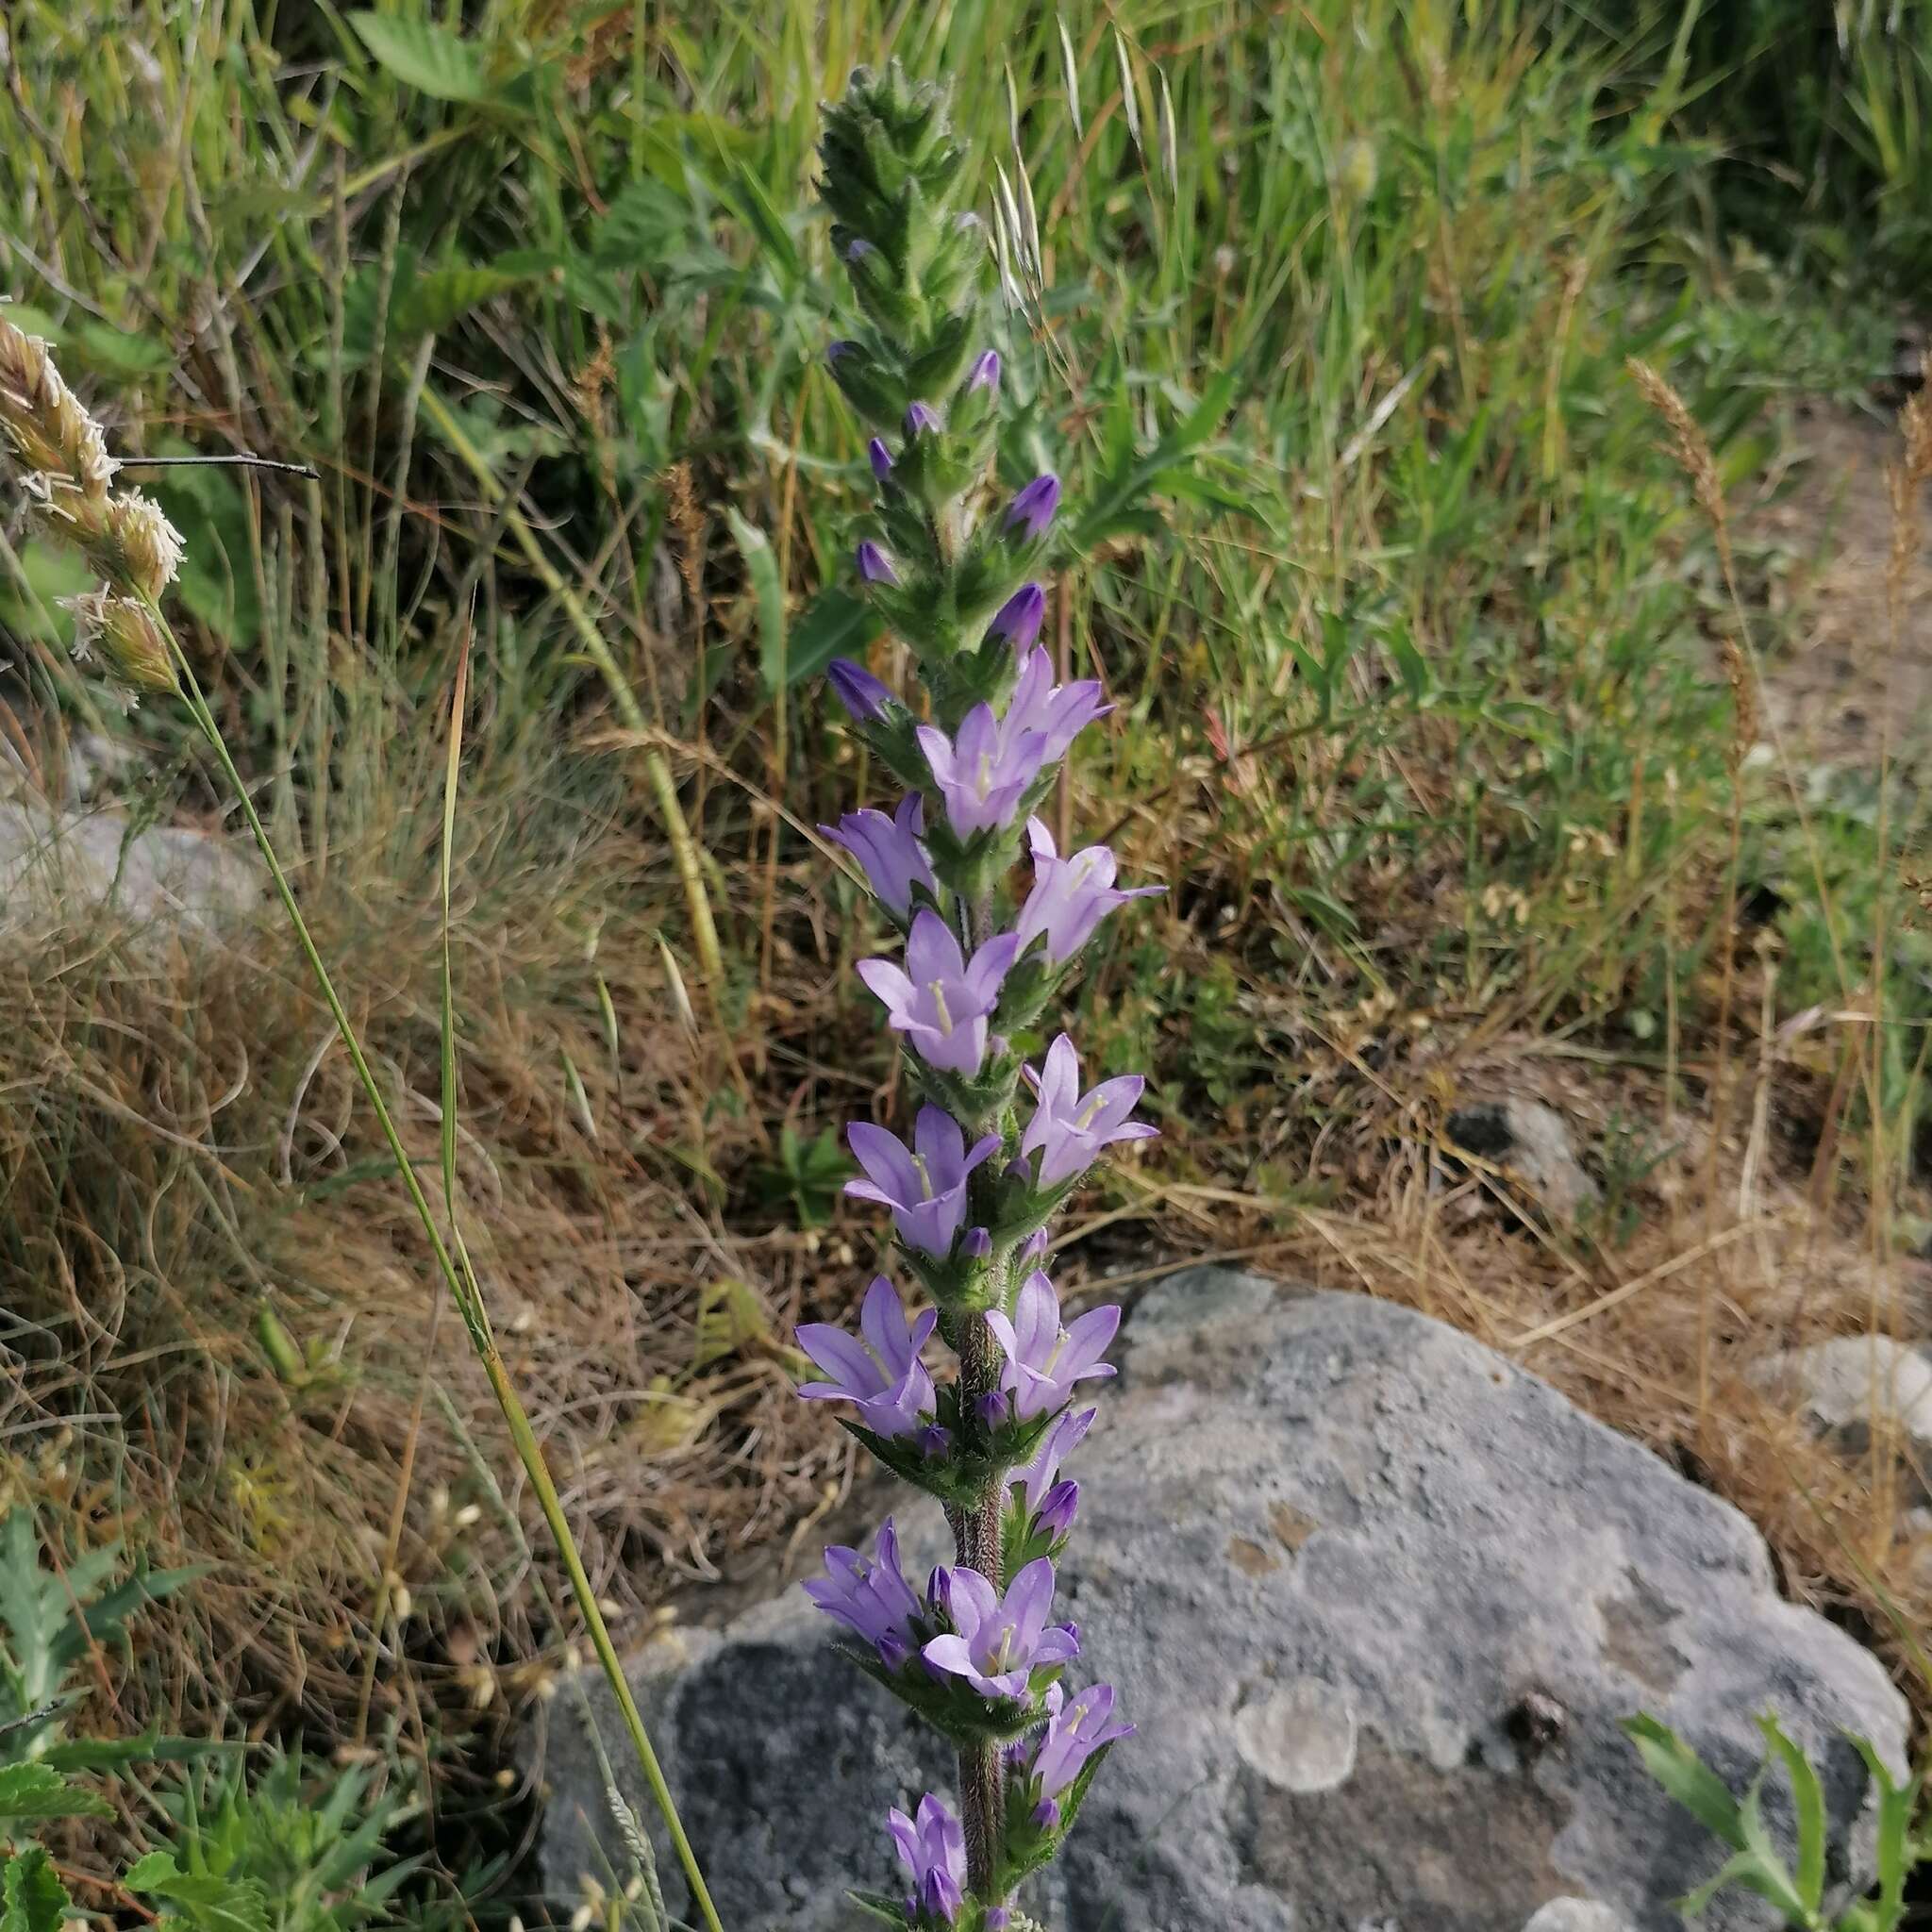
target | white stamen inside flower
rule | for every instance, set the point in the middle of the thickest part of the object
(939, 1005)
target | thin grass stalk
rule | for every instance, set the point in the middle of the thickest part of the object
(460, 1281)
(657, 770)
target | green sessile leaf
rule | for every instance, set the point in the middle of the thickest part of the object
(424, 56)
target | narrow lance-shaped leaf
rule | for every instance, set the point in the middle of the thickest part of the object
(1807, 1797)
(761, 566)
(1687, 1779)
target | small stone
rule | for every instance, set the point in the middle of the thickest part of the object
(1300, 1738)
(1576, 1915)
(1846, 1382)
(1530, 1141)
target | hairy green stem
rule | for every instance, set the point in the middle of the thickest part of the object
(476, 1318)
(976, 1536)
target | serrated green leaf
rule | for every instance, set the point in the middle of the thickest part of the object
(424, 56)
(1768, 1875)
(30, 1792)
(1734, 1871)
(32, 1899)
(155, 1867)
(761, 566)
(208, 1903)
(880, 1905)
(1896, 1851)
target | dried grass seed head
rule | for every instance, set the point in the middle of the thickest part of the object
(141, 550)
(129, 641)
(42, 419)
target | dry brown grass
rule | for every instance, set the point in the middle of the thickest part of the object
(218, 1331)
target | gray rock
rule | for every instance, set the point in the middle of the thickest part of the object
(150, 875)
(1376, 1599)
(1530, 1143)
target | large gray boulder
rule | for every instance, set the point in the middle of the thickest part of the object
(1376, 1599)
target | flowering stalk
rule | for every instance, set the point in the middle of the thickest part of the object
(997, 1146)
